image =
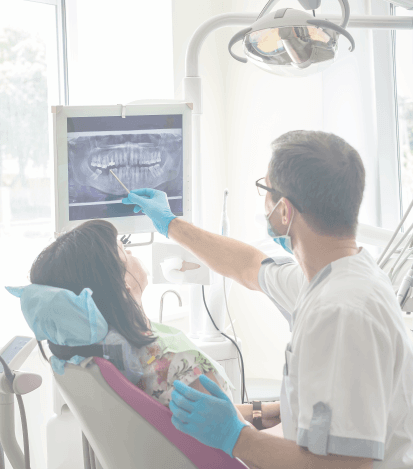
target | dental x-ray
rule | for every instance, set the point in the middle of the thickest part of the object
(143, 151)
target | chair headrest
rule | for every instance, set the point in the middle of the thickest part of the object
(62, 317)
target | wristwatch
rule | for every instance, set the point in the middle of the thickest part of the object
(257, 415)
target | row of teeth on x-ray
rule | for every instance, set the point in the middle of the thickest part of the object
(125, 171)
(124, 159)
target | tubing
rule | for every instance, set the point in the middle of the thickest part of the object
(397, 245)
(395, 232)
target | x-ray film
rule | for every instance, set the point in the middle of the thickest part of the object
(143, 151)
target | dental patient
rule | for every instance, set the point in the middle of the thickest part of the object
(90, 256)
(87, 289)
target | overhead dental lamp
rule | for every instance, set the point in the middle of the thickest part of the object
(292, 42)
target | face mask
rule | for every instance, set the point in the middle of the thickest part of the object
(283, 240)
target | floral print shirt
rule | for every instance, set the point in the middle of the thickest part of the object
(161, 369)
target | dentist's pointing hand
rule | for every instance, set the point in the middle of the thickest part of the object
(212, 420)
(154, 204)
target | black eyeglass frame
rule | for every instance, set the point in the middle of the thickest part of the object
(269, 189)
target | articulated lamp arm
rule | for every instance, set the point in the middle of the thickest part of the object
(312, 5)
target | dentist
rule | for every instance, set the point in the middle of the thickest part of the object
(347, 393)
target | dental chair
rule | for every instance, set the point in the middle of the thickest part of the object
(126, 428)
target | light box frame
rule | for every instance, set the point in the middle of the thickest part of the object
(124, 225)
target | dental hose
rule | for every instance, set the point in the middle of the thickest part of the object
(236, 345)
(224, 230)
(241, 367)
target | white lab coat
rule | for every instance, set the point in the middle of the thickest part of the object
(348, 377)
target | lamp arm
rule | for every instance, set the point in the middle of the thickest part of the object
(312, 5)
(306, 4)
(247, 19)
(345, 10)
(267, 8)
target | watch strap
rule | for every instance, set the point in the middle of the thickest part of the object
(257, 415)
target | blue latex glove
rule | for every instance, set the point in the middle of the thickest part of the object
(154, 204)
(212, 420)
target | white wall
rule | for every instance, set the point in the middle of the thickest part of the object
(351, 103)
(187, 16)
(259, 108)
(245, 109)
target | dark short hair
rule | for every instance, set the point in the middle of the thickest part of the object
(324, 174)
(88, 257)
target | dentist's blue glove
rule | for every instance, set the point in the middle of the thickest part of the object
(212, 420)
(154, 204)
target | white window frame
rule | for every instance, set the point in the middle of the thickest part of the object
(389, 182)
(61, 47)
(388, 152)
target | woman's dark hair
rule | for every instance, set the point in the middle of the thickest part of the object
(324, 174)
(88, 257)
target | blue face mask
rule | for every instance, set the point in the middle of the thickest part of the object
(283, 240)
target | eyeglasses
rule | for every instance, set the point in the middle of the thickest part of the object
(262, 191)
(261, 188)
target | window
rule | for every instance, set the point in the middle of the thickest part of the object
(28, 86)
(117, 52)
(404, 74)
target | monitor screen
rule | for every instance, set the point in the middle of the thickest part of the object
(142, 150)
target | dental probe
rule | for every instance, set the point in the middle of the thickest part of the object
(120, 182)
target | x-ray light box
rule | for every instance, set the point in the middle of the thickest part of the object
(145, 145)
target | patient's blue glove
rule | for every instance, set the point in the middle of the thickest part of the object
(154, 204)
(212, 420)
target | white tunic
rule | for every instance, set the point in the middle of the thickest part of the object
(348, 377)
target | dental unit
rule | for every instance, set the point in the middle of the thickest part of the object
(99, 396)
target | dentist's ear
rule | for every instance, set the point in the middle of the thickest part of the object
(287, 211)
